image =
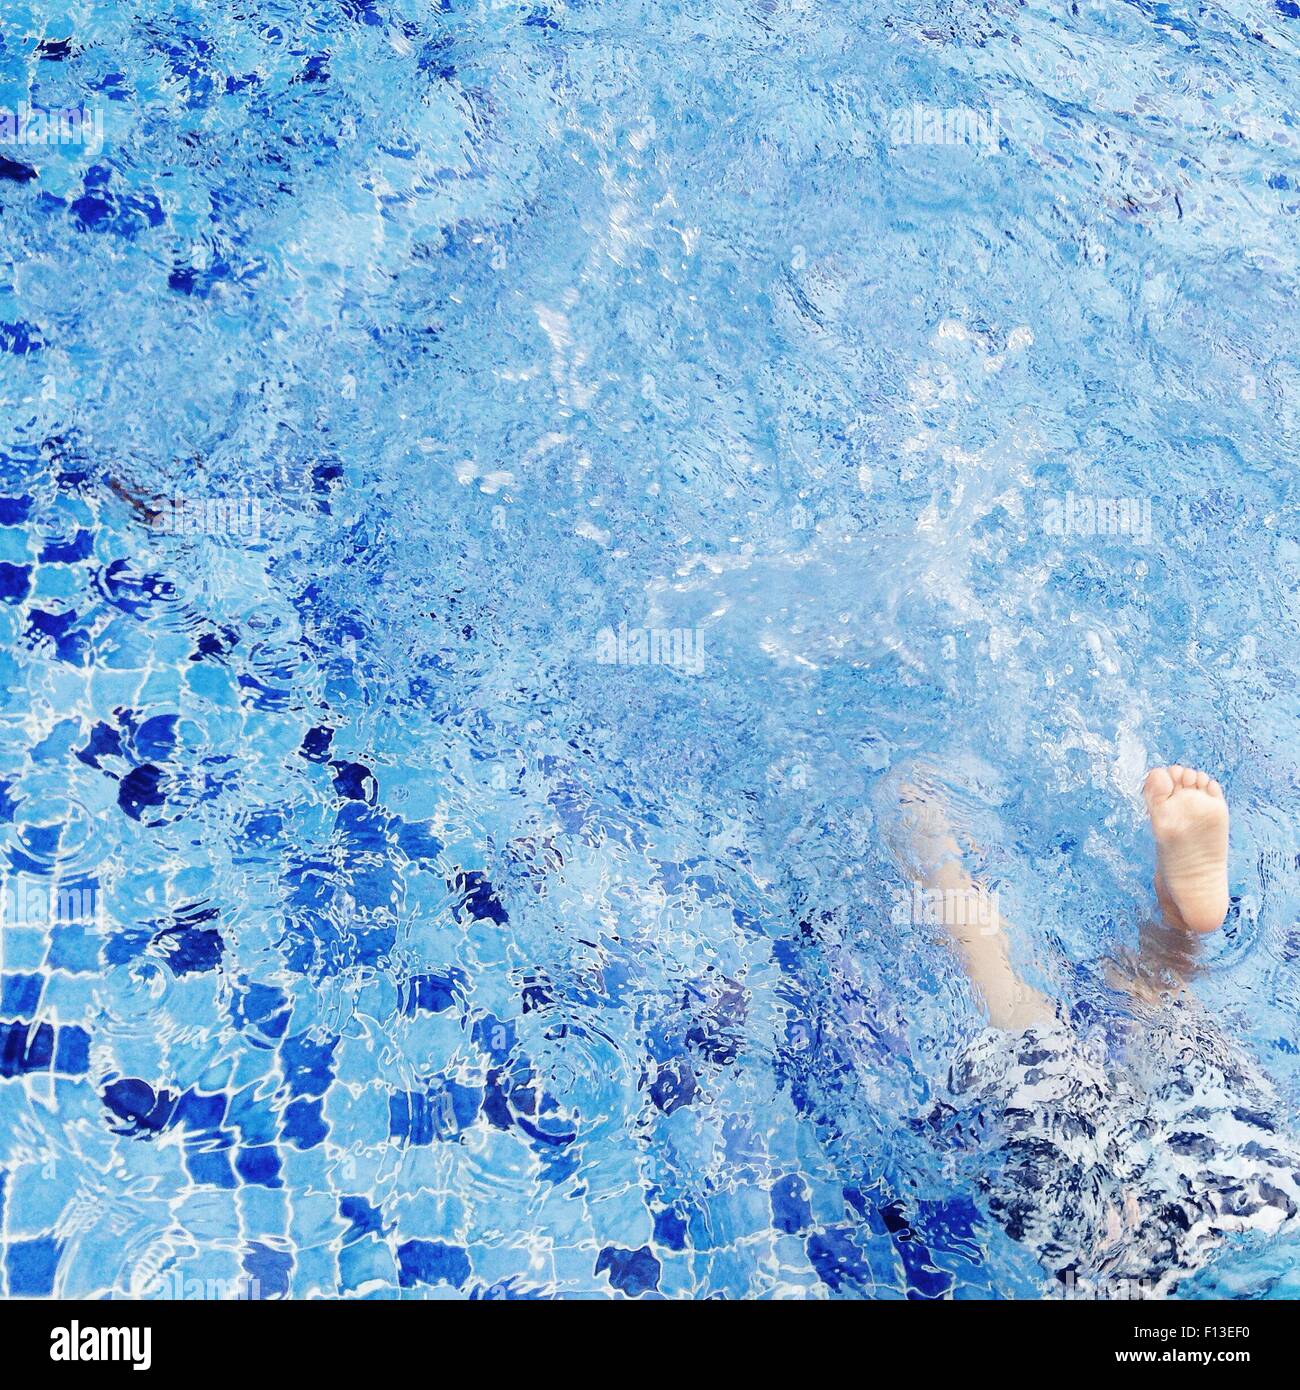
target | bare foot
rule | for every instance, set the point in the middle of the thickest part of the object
(1189, 819)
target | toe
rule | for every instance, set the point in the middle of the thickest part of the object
(1202, 781)
(1176, 771)
(1159, 785)
(1214, 788)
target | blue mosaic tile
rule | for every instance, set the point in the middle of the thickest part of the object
(430, 1262)
(19, 994)
(259, 1165)
(74, 949)
(31, 1266)
(72, 1051)
(25, 1047)
(632, 1272)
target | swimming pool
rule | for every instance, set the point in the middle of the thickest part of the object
(488, 492)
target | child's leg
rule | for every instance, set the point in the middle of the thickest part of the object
(978, 936)
(1189, 819)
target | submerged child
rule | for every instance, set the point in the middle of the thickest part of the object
(1124, 1167)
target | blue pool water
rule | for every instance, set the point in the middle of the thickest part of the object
(426, 942)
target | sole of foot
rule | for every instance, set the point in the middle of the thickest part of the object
(1189, 819)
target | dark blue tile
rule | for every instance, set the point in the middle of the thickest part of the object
(142, 1110)
(260, 1167)
(72, 1052)
(20, 995)
(633, 1272)
(791, 1207)
(431, 1262)
(32, 1265)
(15, 581)
(304, 1125)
